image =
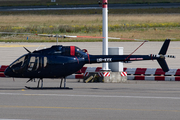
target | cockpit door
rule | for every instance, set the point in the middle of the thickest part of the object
(35, 63)
(32, 63)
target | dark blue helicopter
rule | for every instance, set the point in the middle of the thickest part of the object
(60, 61)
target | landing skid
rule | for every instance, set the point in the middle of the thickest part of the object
(46, 88)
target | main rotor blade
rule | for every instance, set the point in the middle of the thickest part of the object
(73, 36)
(69, 36)
(27, 50)
(126, 39)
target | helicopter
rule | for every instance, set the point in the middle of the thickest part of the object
(59, 61)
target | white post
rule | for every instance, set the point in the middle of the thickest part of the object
(116, 66)
(105, 32)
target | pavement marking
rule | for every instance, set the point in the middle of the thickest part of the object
(84, 108)
(14, 45)
(98, 96)
(14, 119)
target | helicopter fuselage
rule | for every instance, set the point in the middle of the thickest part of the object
(60, 61)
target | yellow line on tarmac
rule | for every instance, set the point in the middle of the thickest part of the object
(15, 45)
(81, 108)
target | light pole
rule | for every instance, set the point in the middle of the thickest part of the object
(105, 32)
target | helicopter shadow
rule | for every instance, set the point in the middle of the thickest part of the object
(48, 88)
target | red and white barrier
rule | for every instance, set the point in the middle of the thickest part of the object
(137, 71)
(123, 73)
(2, 75)
(3, 68)
(151, 71)
(89, 69)
(154, 78)
(86, 74)
(104, 74)
(75, 76)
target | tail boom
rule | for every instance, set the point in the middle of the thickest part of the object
(126, 58)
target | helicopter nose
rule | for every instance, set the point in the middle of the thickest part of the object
(8, 72)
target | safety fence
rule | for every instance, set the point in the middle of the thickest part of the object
(152, 74)
(136, 71)
(2, 69)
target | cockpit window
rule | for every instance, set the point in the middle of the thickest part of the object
(78, 52)
(19, 64)
(78, 49)
(45, 62)
(59, 50)
(66, 51)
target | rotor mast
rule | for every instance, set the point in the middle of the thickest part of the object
(105, 32)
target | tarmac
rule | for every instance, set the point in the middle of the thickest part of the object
(133, 100)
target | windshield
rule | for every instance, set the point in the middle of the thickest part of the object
(19, 64)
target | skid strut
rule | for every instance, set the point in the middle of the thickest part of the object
(41, 87)
(40, 79)
(64, 83)
(31, 79)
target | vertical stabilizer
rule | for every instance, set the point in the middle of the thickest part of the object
(163, 51)
(165, 46)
